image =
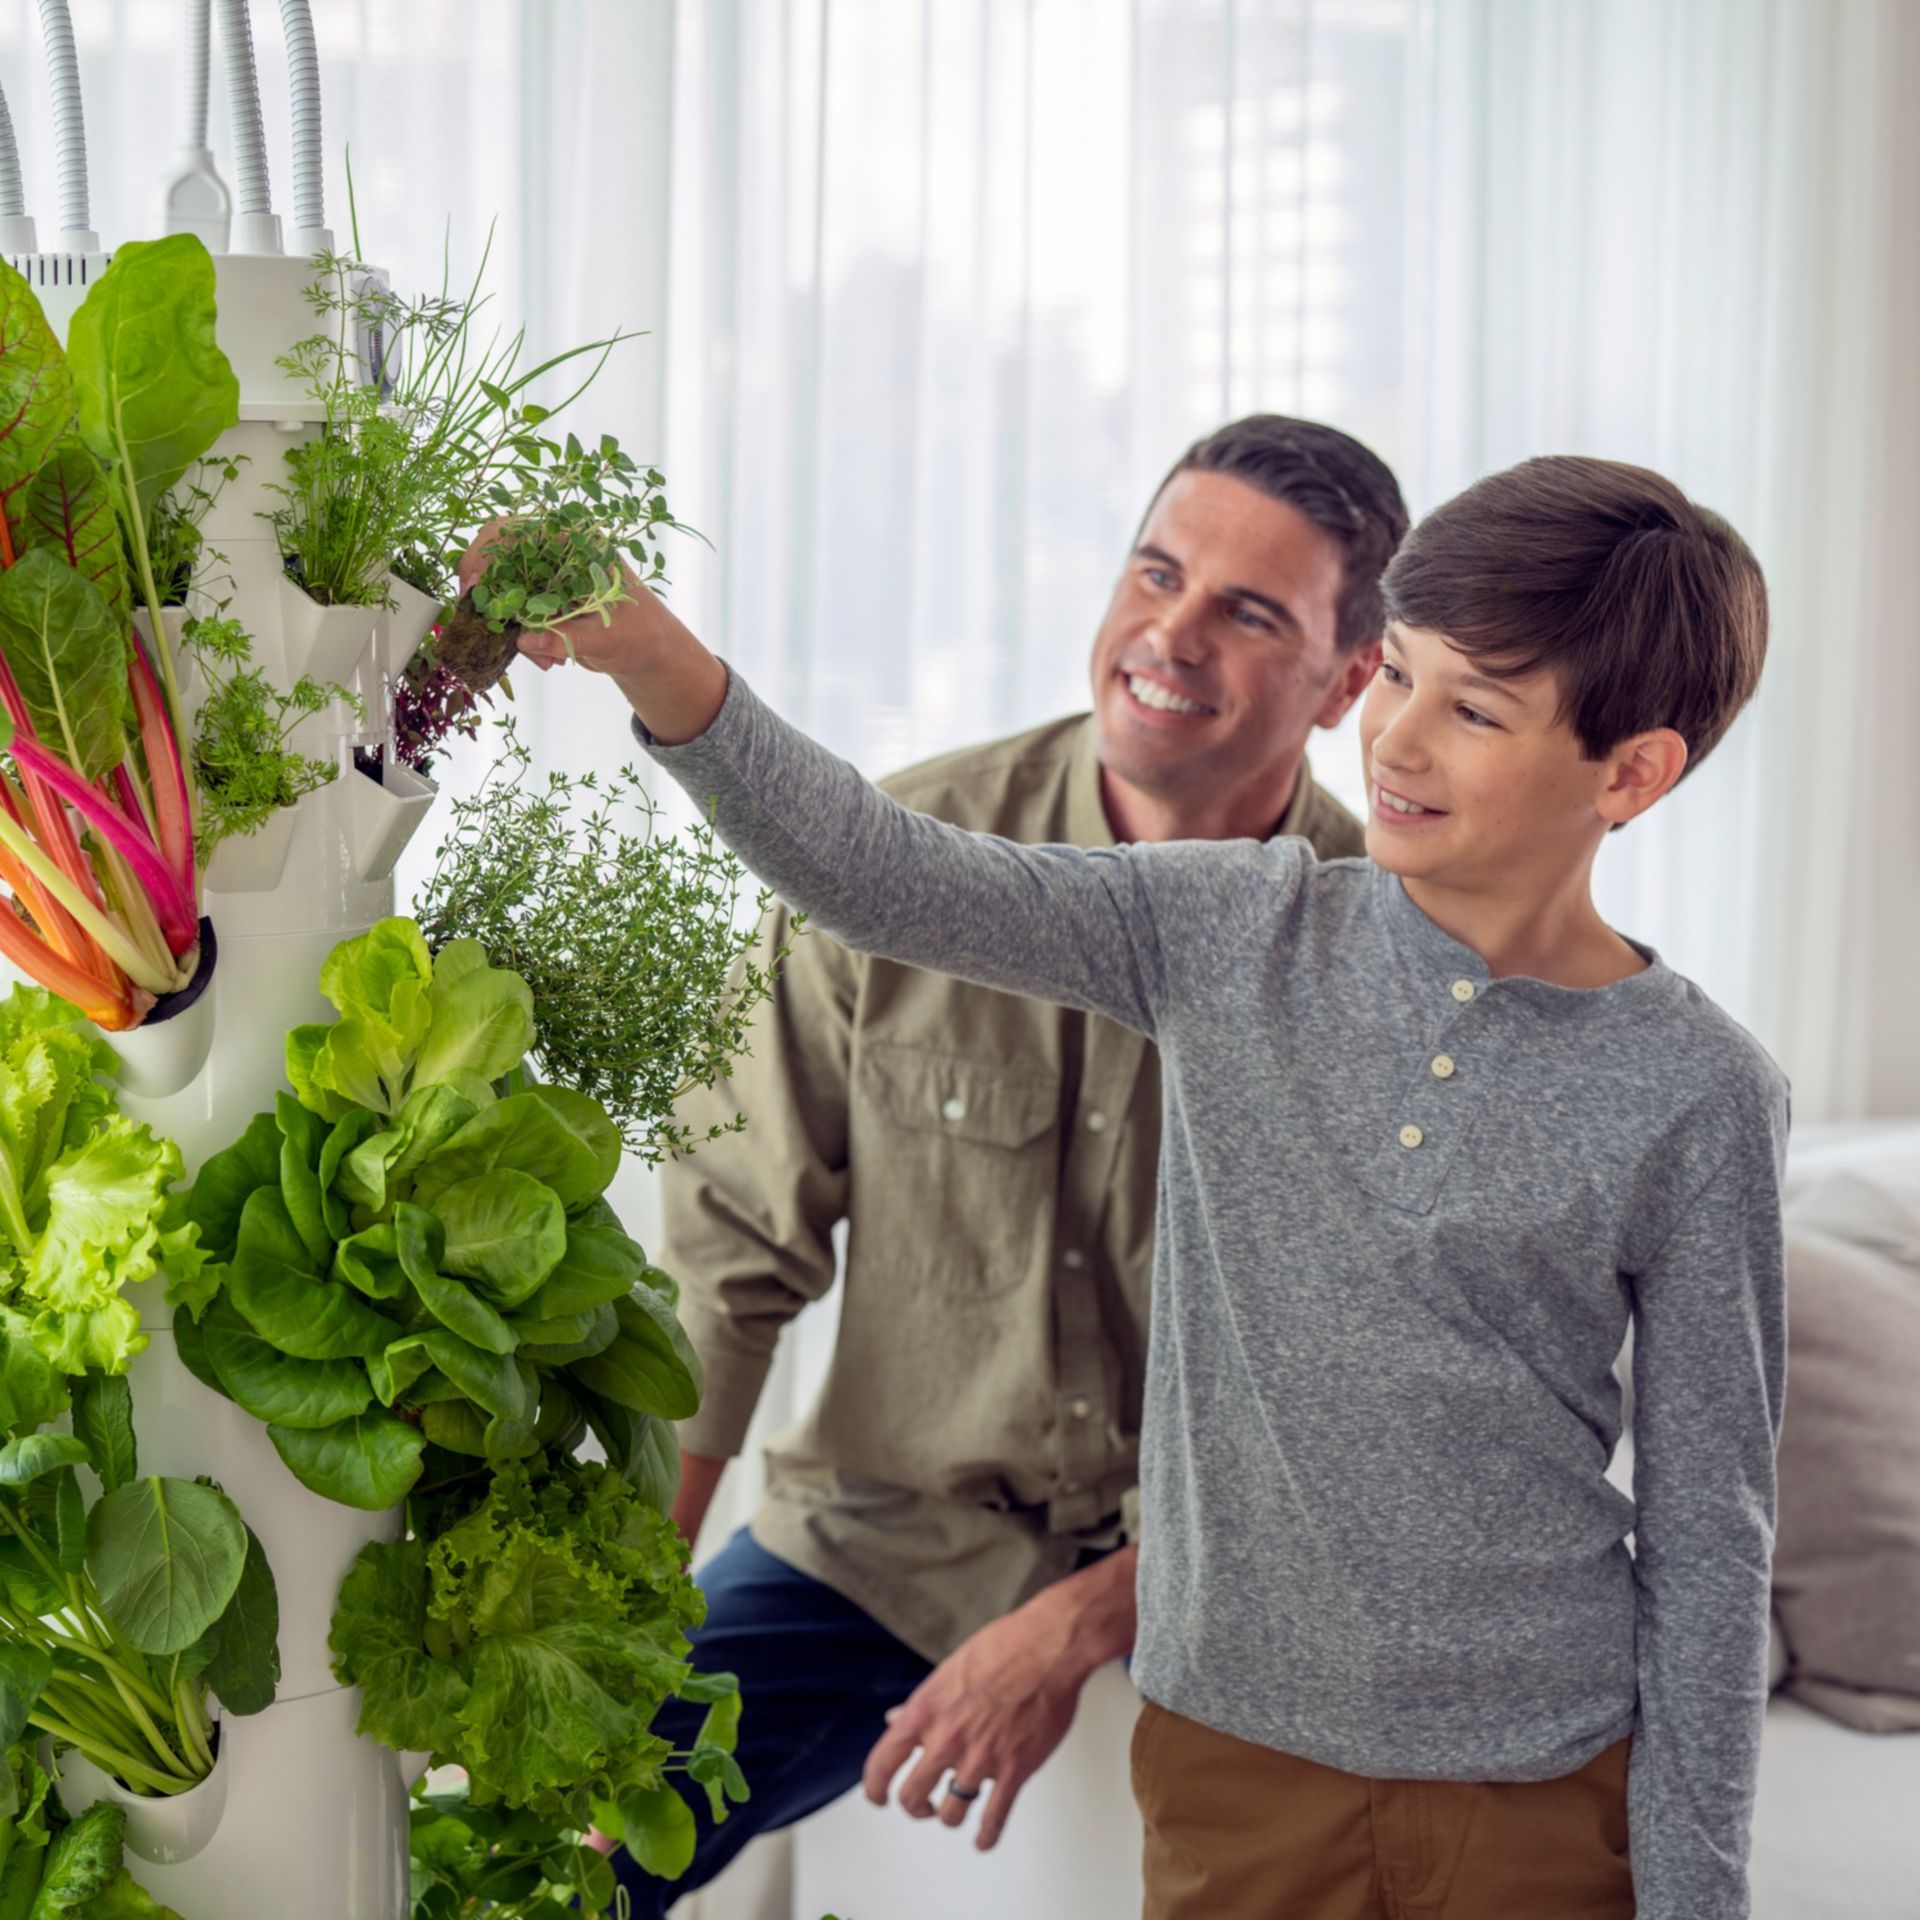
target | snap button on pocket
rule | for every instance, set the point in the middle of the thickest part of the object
(952, 1109)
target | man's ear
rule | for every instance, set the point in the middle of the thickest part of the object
(1351, 678)
(1644, 769)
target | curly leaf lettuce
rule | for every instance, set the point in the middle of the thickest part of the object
(531, 1643)
(85, 1209)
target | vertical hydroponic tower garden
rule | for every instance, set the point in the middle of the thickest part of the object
(322, 1513)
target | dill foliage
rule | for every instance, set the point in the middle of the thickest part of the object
(644, 983)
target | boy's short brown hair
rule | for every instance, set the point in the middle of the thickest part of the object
(1649, 610)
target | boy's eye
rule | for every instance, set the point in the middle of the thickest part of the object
(1478, 718)
(1393, 673)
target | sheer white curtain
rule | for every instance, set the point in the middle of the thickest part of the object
(1683, 236)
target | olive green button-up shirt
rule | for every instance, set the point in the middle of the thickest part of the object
(994, 1160)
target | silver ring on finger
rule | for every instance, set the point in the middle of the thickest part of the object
(955, 1791)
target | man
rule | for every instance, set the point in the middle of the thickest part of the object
(943, 1557)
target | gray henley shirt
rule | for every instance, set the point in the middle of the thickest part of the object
(1406, 1212)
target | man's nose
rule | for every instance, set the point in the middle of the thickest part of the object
(1177, 634)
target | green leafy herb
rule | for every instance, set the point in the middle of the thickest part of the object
(644, 983)
(409, 452)
(241, 757)
(572, 519)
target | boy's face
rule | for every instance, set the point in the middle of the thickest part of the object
(1218, 656)
(1512, 803)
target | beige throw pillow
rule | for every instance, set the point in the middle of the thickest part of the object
(1846, 1570)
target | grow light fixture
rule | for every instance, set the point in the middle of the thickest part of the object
(75, 258)
(197, 200)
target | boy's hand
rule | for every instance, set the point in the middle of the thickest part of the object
(670, 680)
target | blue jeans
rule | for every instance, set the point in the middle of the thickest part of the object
(817, 1676)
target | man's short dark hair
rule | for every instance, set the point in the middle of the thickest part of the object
(1327, 477)
(1649, 611)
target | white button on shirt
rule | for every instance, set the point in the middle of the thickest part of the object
(1096, 1123)
(955, 1109)
(1463, 991)
(1074, 1258)
(1411, 1136)
(1443, 1066)
(1079, 1408)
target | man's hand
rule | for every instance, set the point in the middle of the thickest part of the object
(996, 1708)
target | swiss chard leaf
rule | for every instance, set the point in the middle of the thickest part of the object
(154, 389)
(36, 388)
(68, 509)
(68, 651)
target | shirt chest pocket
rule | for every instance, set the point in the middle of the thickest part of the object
(956, 1169)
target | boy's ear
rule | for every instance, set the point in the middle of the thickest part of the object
(1644, 769)
(1352, 675)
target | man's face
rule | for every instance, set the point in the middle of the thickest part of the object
(1506, 790)
(1216, 658)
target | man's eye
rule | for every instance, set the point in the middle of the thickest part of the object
(1248, 618)
(1160, 576)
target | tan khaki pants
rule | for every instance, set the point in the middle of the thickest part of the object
(1239, 1832)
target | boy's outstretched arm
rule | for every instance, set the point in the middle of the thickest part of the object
(1709, 1371)
(1059, 923)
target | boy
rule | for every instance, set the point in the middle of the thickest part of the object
(1433, 1134)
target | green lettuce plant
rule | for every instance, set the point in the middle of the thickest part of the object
(530, 1641)
(85, 1202)
(413, 1251)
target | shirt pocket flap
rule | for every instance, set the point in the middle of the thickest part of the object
(963, 1098)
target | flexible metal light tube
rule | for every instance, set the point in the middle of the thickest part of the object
(69, 123)
(243, 89)
(13, 198)
(303, 74)
(199, 62)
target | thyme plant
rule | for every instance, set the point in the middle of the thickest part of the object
(643, 981)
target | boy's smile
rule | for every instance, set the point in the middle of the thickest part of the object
(1481, 798)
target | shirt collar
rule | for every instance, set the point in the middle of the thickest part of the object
(1449, 959)
(1087, 822)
